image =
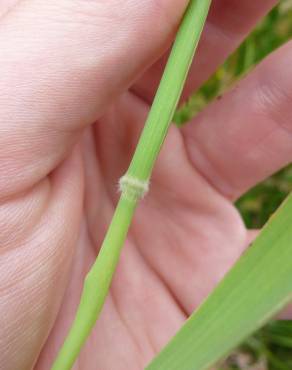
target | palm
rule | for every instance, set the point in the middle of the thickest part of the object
(184, 237)
(56, 204)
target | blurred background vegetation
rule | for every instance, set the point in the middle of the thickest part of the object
(271, 347)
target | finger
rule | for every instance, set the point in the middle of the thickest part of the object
(61, 63)
(246, 136)
(228, 24)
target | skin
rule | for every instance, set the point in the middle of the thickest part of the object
(75, 86)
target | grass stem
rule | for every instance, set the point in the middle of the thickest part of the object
(136, 181)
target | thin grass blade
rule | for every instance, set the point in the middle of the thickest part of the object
(257, 287)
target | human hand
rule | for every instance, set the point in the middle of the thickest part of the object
(72, 104)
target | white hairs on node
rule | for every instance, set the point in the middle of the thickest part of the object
(132, 188)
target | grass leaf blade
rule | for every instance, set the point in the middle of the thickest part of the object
(257, 287)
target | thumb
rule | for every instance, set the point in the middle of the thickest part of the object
(61, 64)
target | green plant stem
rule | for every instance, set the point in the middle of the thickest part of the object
(98, 280)
(170, 89)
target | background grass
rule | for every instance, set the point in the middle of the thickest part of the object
(271, 347)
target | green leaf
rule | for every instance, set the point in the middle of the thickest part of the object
(258, 286)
